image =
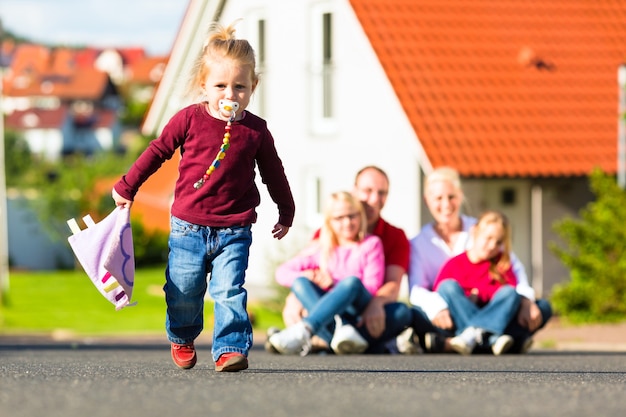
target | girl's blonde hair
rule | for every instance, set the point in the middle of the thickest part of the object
(220, 44)
(503, 262)
(328, 238)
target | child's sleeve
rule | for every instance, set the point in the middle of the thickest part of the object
(287, 272)
(151, 159)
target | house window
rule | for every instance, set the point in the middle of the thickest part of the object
(327, 59)
(260, 52)
(315, 193)
(507, 197)
(322, 74)
(256, 34)
(261, 42)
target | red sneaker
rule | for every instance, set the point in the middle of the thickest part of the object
(184, 356)
(231, 362)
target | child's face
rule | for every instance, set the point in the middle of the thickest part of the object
(488, 240)
(228, 81)
(345, 221)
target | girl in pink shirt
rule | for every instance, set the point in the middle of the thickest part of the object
(334, 278)
(479, 287)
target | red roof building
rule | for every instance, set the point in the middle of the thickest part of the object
(520, 96)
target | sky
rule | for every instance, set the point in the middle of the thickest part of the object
(151, 24)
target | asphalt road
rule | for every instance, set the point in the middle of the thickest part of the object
(49, 380)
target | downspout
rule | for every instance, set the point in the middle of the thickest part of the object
(536, 239)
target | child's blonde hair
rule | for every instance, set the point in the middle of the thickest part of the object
(220, 44)
(328, 238)
(503, 262)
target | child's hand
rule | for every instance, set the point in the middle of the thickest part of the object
(279, 231)
(121, 201)
(322, 279)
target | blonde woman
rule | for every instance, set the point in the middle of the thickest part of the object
(334, 278)
(446, 236)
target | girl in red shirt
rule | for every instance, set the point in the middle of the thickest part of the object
(479, 287)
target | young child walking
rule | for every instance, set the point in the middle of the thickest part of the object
(479, 287)
(215, 199)
(334, 278)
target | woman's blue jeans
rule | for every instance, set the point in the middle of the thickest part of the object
(348, 298)
(493, 317)
(194, 252)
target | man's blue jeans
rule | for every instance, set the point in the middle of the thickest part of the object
(493, 317)
(194, 252)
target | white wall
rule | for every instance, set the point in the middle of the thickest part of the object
(370, 126)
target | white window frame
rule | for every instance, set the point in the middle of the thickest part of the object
(253, 35)
(322, 72)
(315, 193)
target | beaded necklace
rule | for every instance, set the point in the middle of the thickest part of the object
(225, 106)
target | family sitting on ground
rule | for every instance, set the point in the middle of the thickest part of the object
(468, 291)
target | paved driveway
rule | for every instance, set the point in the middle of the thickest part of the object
(47, 380)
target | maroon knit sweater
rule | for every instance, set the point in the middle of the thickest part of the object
(229, 197)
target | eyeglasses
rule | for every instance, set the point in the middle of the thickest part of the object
(351, 217)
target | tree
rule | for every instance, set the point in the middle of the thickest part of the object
(17, 159)
(595, 253)
(81, 184)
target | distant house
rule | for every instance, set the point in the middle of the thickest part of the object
(59, 107)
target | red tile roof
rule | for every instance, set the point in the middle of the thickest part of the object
(505, 88)
(86, 84)
(30, 59)
(147, 71)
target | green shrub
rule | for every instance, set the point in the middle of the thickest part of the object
(595, 254)
(150, 246)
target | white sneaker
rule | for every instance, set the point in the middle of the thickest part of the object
(467, 340)
(347, 340)
(502, 344)
(295, 339)
(406, 342)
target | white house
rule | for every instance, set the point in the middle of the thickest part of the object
(521, 101)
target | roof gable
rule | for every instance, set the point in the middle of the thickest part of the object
(505, 88)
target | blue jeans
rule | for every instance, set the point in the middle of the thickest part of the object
(348, 298)
(398, 317)
(422, 325)
(194, 252)
(519, 333)
(493, 317)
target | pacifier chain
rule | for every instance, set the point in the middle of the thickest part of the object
(225, 107)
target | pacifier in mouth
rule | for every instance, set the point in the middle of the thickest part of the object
(228, 108)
